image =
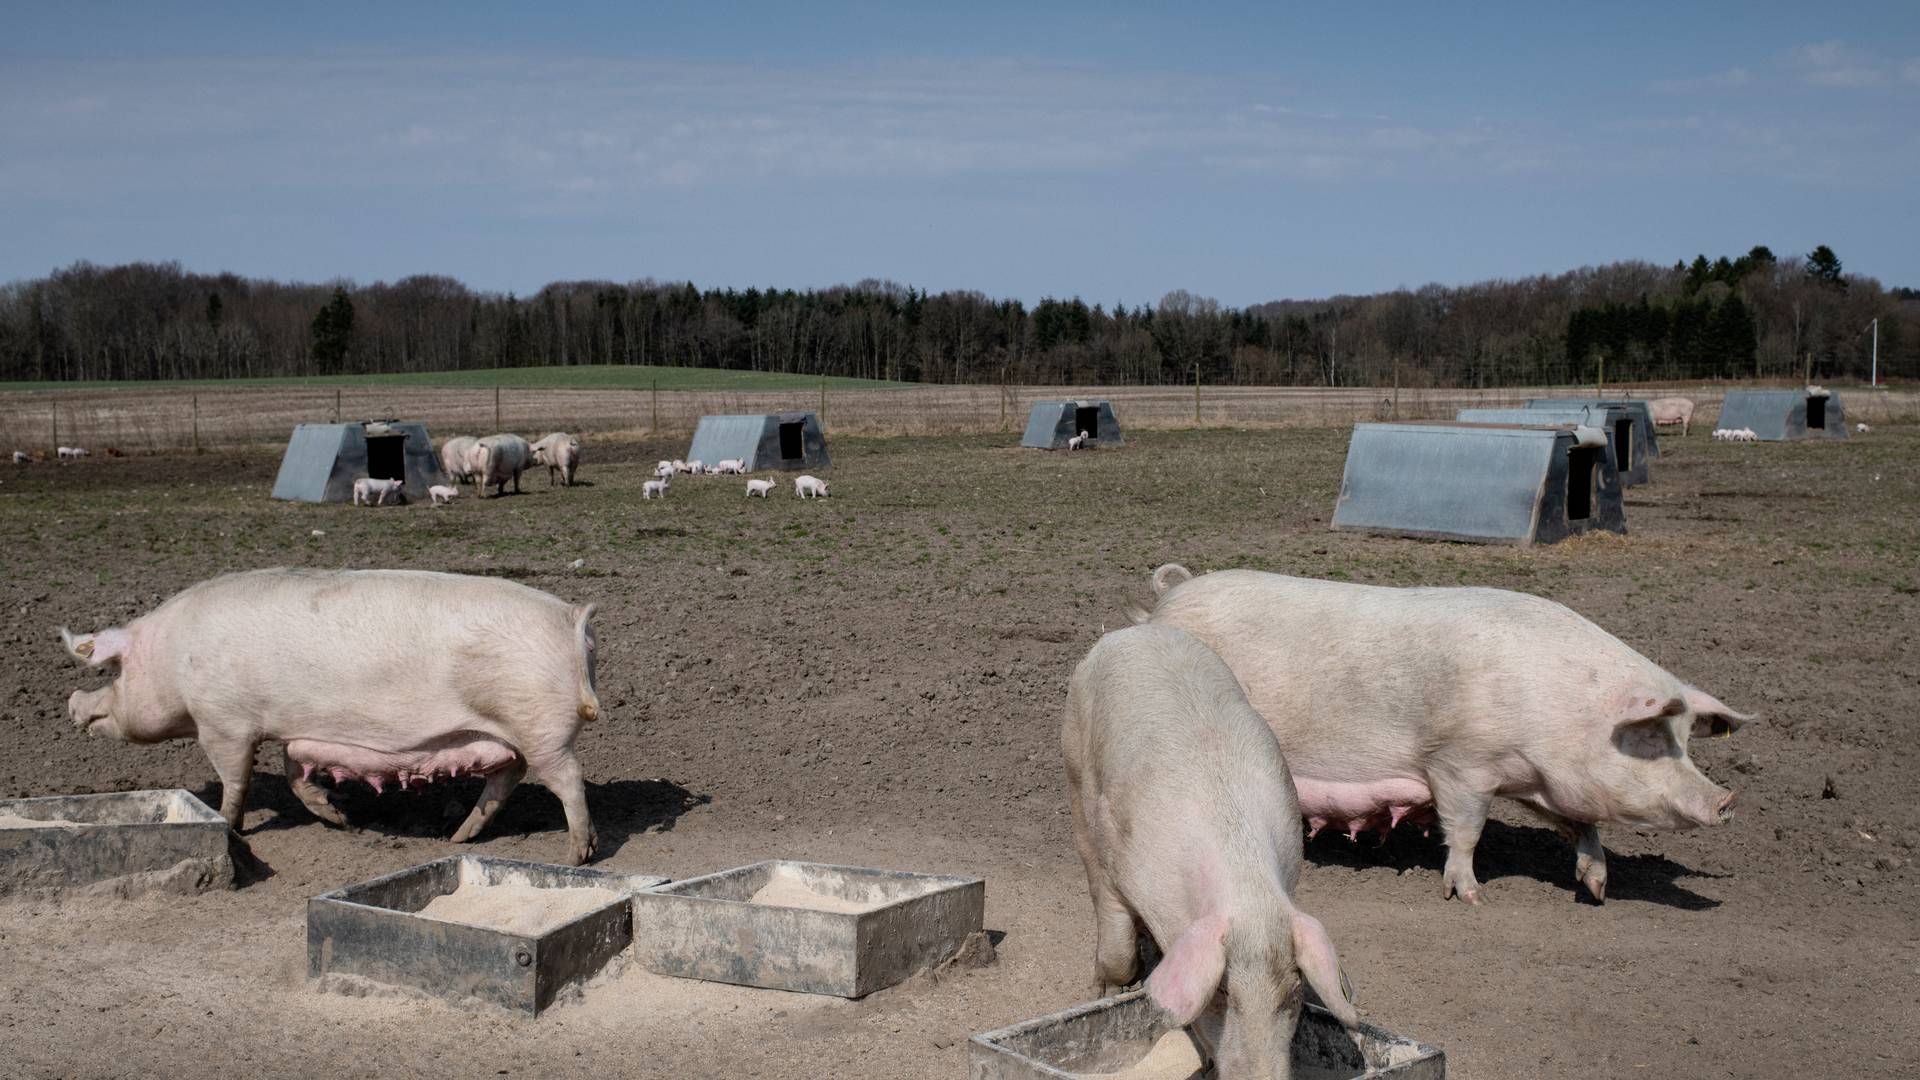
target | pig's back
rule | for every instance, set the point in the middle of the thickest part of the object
(311, 651)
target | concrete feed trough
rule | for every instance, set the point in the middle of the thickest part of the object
(1642, 417)
(818, 929)
(470, 928)
(787, 440)
(1484, 483)
(1113, 1034)
(124, 843)
(1784, 415)
(1051, 423)
(1623, 435)
(323, 460)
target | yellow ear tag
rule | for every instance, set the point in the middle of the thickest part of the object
(85, 649)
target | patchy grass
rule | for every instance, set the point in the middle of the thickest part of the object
(580, 377)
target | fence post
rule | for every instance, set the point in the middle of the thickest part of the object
(656, 405)
(196, 423)
(823, 399)
(496, 408)
(56, 423)
(336, 404)
(1196, 395)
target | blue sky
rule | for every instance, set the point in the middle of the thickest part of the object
(1115, 152)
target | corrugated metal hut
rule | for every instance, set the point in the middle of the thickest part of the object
(1485, 483)
(1648, 441)
(1629, 457)
(782, 440)
(323, 460)
(1782, 415)
(1051, 423)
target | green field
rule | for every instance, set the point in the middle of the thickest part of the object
(583, 377)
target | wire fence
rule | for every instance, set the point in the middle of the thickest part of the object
(165, 419)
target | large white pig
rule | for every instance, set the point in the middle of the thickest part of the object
(1397, 702)
(560, 453)
(380, 675)
(456, 456)
(1187, 823)
(1668, 411)
(496, 459)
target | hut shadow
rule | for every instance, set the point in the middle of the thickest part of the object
(621, 809)
(1520, 851)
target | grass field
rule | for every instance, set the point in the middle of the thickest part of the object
(582, 377)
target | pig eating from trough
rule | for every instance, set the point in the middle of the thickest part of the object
(1403, 702)
(1187, 823)
(379, 675)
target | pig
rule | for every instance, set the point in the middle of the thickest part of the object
(1186, 821)
(735, 466)
(374, 492)
(560, 453)
(809, 487)
(759, 487)
(496, 459)
(1077, 441)
(21, 457)
(496, 680)
(1861, 428)
(70, 453)
(692, 465)
(1668, 411)
(456, 455)
(654, 489)
(442, 493)
(1399, 702)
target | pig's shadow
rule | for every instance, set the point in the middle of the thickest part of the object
(1519, 851)
(621, 809)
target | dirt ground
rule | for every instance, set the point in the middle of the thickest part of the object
(877, 678)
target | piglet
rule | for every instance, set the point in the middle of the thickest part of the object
(372, 492)
(809, 487)
(1186, 821)
(759, 487)
(442, 493)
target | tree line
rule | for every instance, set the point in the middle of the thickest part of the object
(1754, 315)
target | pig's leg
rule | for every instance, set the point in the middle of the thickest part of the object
(232, 759)
(312, 795)
(499, 786)
(1463, 813)
(1590, 861)
(1116, 952)
(561, 774)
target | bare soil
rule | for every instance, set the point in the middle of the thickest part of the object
(876, 678)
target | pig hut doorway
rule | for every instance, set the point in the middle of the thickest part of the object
(323, 460)
(783, 440)
(1051, 423)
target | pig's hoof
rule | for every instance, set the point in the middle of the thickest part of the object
(1596, 885)
(582, 853)
(1467, 890)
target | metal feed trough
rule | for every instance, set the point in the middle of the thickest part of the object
(126, 842)
(1785, 415)
(711, 928)
(1051, 423)
(323, 460)
(1485, 483)
(1623, 442)
(785, 440)
(372, 930)
(1113, 1033)
(1649, 444)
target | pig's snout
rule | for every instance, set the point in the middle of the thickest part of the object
(1714, 808)
(1724, 812)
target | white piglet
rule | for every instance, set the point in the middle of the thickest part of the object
(809, 487)
(654, 489)
(370, 492)
(442, 493)
(1186, 821)
(759, 487)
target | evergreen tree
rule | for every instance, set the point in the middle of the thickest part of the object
(1824, 266)
(333, 333)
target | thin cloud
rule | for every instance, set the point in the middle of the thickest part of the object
(1835, 63)
(1730, 79)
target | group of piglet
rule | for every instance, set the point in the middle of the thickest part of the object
(804, 486)
(489, 461)
(1242, 702)
(1735, 435)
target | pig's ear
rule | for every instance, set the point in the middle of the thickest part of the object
(1711, 716)
(105, 647)
(1313, 954)
(1186, 978)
